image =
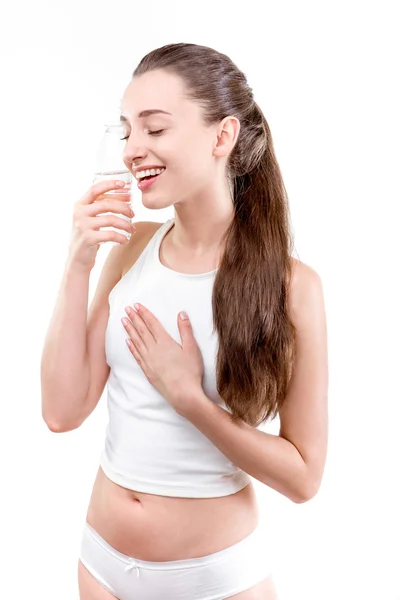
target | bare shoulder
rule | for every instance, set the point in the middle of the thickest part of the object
(143, 228)
(306, 291)
(302, 270)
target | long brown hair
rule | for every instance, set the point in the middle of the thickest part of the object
(250, 294)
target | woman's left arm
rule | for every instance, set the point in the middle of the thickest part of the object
(292, 462)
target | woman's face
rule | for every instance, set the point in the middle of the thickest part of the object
(182, 143)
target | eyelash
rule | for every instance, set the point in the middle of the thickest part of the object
(158, 132)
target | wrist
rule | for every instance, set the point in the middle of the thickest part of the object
(192, 403)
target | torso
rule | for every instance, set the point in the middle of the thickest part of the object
(162, 528)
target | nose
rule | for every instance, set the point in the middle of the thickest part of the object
(134, 151)
(134, 156)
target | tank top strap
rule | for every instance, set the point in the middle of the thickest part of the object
(152, 250)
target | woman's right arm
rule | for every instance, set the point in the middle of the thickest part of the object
(65, 375)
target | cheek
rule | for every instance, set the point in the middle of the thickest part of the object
(201, 169)
(192, 174)
(189, 160)
(196, 161)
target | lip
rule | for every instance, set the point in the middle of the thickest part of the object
(143, 185)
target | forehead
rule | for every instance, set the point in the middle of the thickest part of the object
(156, 90)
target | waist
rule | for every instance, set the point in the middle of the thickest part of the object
(159, 528)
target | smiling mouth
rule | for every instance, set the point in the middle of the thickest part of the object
(146, 182)
(162, 169)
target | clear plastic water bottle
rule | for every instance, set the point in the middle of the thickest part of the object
(110, 165)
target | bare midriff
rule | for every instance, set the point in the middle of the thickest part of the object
(161, 528)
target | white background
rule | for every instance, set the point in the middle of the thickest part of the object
(326, 76)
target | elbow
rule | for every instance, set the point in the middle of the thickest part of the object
(302, 498)
(308, 492)
(54, 428)
(57, 428)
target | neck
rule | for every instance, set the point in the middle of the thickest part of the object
(200, 225)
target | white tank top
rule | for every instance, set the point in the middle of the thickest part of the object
(149, 447)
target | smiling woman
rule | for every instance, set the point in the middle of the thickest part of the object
(173, 510)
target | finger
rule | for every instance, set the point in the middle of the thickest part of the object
(130, 329)
(99, 188)
(152, 323)
(134, 350)
(140, 325)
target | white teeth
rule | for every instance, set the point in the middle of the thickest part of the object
(141, 174)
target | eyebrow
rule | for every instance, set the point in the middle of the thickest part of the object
(146, 113)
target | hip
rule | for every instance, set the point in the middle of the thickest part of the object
(161, 528)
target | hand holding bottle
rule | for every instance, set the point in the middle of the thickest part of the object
(87, 220)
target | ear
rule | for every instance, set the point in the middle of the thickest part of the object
(227, 134)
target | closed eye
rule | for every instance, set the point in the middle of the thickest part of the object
(158, 132)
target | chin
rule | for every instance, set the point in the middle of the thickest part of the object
(154, 202)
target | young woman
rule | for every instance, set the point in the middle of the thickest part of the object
(173, 512)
